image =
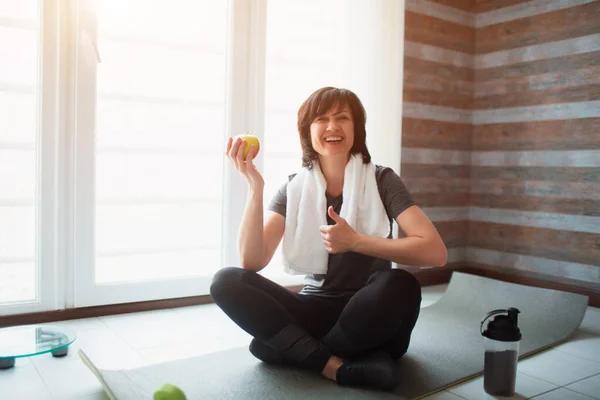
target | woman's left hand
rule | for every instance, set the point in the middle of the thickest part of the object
(340, 237)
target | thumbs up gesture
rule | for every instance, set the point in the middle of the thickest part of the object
(340, 237)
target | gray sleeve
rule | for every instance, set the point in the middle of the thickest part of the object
(279, 201)
(396, 197)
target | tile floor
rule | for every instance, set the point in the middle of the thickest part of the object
(570, 371)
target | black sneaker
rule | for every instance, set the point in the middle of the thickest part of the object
(265, 353)
(377, 370)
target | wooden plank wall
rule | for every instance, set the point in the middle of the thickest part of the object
(519, 159)
(438, 102)
(535, 174)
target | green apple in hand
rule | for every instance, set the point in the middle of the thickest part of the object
(250, 140)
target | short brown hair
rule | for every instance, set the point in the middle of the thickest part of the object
(322, 101)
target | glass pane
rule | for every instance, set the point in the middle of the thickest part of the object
(21, 10)
(306, 40)
(18, 143)
(159, 137)
(17, 281)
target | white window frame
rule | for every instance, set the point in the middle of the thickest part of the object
(245, 110)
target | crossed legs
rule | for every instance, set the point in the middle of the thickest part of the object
(317, 333)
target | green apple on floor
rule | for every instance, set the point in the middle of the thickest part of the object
(168, 391)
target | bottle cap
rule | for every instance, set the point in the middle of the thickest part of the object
(503, 328)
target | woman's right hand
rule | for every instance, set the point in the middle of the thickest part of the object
(235, 152)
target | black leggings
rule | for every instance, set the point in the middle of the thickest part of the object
(309, 329)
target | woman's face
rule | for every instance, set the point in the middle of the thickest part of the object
(333, 132)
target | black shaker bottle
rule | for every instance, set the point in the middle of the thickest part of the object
(501, 341)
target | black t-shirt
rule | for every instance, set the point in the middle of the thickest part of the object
(348, 272)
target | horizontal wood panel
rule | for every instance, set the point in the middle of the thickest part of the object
(549, 27)
(440, 11)
(424, 133)
(441, 70)
(558, 174)
(578, 247)
(446, 114)
(546, 189)
(435, 83)
(489, 5)
(460, 101)
(542, 158)
(435, 171)
(447, 213)
(454, 233)
(529, 84)
(434, 276)
(539, 97)
(449, 267)
(437, 156)
(437, 200)
(465, 5)
(436, 32)
(590, 208)
(533, 279)
(572, 134)
(552, 65)
(529, 9)
(542, 51)
(437, 54)
(584, 273)
(441, 186)
(538, 112)
(539, 219)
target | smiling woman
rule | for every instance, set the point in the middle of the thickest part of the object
(333, 132)
(332, 121)
(355, 314)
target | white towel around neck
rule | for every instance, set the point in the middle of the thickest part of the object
(306, 210)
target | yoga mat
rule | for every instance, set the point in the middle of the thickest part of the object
(446, 349)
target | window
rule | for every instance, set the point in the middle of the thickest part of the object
(152, 135)
(113, 122)
(160, 120)
(19, 89)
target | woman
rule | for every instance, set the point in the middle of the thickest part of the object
(355, 315)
